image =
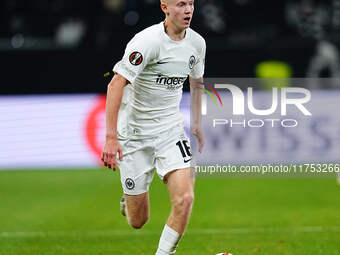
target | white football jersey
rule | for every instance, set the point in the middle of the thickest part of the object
(157, 68)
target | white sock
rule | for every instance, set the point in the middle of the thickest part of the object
(168, 241)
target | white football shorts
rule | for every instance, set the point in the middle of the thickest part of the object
(168, 151)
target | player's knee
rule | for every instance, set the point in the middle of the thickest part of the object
(184, 202)
(188, 200)
(138, 223)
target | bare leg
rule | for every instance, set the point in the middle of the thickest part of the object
(181, 189)
(138, 209)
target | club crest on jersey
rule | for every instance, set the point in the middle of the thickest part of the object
(192, 62)
(136, 58)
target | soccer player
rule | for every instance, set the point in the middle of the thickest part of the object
(144, 128)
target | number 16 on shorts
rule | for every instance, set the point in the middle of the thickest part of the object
(185, 150)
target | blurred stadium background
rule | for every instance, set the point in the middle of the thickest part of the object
(53, 56)
(44, 42)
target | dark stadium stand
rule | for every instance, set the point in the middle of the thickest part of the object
(66, 46)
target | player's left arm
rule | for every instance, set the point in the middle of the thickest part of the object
(196, 86)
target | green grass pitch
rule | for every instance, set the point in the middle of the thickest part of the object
(75, 212)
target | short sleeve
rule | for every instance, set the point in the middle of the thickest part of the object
(138, 54)
(198, 69)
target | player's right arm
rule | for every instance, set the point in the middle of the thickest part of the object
(139, 51)
(113, 101)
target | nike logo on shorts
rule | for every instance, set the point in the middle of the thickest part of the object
(186, 161)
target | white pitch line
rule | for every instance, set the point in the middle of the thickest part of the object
(107, 233)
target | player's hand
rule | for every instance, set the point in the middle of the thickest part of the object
(109, 153)
(198, 132)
